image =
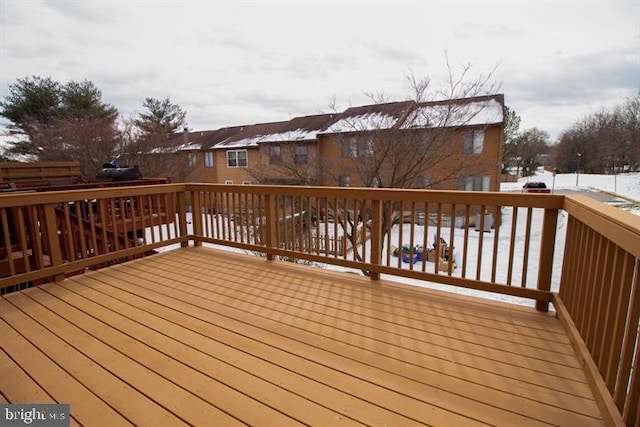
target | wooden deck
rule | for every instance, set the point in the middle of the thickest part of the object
(203, 337)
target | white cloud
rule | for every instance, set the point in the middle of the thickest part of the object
(234, 63)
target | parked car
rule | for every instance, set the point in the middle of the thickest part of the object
(535, 187)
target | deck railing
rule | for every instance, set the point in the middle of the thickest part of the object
(496, 242)
(599, 299)
(395, 232)
(47, 235)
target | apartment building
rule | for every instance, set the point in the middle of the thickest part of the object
(452, 144)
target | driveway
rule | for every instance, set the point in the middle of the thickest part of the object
(604, 197)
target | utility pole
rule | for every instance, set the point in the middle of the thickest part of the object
(578, 171)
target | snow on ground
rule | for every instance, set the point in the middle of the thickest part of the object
(627, 186)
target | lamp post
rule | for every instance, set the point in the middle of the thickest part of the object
(578, 170)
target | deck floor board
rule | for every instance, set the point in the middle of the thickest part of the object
(197, 336)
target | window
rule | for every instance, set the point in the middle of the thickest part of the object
(246, 182)
(475, 183)
(344, 180)
(208, 159)
(473, 142)
(191, 158)
(365, 147)
(300, 154)
(350, 148)
(274, 155)
(423, 181)
(353, 147)
(237, 158)
(228, 182)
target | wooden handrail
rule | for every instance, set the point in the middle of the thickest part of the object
(381, 231)
(599, 299)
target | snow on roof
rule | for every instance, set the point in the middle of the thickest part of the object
(369, 117)
(455, 114)
(303, 128)
(363, 122)
(255, 140)
(189, 146)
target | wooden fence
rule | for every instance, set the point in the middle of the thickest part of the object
(48, 235)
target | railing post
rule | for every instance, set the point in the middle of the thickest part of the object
(182, 216)
(196, 218)
(271, 218)
(547, 245)
(51, 231)
(376, 236)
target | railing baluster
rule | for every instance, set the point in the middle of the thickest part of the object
(527, 246)
(480, 227)
(271, 224)
(53, 241)
(630, 341)
(452, 229)
(8, 244)
(496, 240)
(412, 232)
(547, 245)
(619, 320)
(512, 244)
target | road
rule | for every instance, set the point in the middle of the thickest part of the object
(605, 197)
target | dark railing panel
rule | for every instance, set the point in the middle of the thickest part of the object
(48, 235)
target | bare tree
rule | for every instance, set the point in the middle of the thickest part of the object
(418, 143)
(527, 147)
(608, 141)
(421, 152)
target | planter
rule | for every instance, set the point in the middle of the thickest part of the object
(488, 222)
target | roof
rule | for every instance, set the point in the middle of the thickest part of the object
(204, 140)
(251, 136)
(370, 117)
(482, 110)
(403, 115)
(303, 128)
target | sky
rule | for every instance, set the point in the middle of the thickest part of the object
(231, 63)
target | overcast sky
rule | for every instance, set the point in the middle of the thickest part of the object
(234, 63)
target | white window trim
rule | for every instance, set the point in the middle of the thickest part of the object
(484, 181)
(208, 155)
(349, 148)
(192, 159)
(275, 155)
(301, 151)
(228, 182)
(235, 153)
(476, 142)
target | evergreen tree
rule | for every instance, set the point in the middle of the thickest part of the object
(61, 122)
(149, 143)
